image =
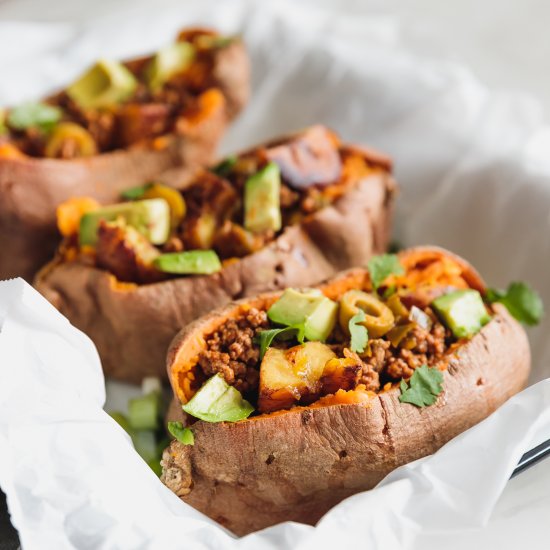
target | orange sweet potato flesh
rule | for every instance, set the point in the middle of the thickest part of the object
(31, 188)
(297, 464)
(133, 325)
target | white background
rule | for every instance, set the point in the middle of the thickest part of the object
(505, 42)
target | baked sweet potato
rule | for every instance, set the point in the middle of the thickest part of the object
(298, 462)
(326, 227)
(166, 135)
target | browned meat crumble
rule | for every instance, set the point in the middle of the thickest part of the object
(231, 351)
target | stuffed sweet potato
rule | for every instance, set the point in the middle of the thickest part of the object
(117, 126)
(291, 212)
(374, 369)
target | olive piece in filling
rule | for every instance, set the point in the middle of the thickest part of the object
(379, 318)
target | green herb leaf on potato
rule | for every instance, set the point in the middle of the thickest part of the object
(423, 387)
(382, 266)
(521, 301)
(182, 434)
(265, 337)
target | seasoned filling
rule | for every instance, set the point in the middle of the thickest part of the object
(231, 351)
(233, 210)
(115, 105)
(378, 330)
(422, 347)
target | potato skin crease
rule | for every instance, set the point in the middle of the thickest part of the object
(133, 325)
(297, 464)
(31, 188)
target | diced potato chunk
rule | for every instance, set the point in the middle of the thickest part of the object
(286, 376)
(341, 374)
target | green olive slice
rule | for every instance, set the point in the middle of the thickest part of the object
(69, 140)
(379, 318)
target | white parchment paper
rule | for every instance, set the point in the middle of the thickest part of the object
(475, 177)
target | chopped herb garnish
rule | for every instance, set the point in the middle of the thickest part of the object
(423, 387)
(521, 301)
(381, 267)
(135, 193)
(182, 434)
(225, 166)
(265, 337)
(359, 333)
(34, 115)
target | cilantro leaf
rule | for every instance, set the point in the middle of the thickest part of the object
(521, 301)
(359, 333)
(183, 435)
(381, 267)
(223, 168)
(134, 193)
(266, 337)
(34, 115)
(423, 387)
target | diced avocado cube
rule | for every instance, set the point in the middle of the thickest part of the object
(217, 401)
(145, 443)
(310, 311)
(262, 210)
(144, 411)
(462, 311)
(105, 84)
(42, 116)
(189, 262)
(150, 217)
(168, 62)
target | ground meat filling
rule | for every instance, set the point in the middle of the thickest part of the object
(231, 351)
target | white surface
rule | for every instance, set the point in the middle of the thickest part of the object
(505, 42)
(475, 177)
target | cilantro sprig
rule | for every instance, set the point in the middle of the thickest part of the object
(265, 337)
(224, 167)
(423, 387)
(182, 434)
(521, 301)
(135, 193)
(382, 266)
(359, 333)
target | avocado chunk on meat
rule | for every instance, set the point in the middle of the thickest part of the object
(309, 311)
(149, 217)
(105, 84)
(262, 210)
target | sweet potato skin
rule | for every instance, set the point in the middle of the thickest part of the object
(132, 326)
(31, 188)
(297, 464)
